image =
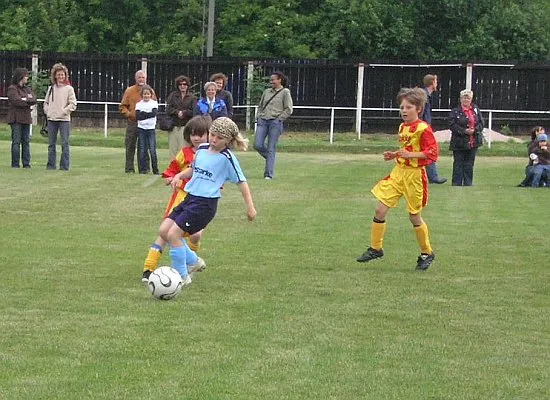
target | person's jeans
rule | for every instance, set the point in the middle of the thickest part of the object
(147, 145)
(463, 167)
(538, 172)
(270, 129)
(64, 129)
(431, 171)
(20, 145)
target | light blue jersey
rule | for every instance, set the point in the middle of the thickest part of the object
(211, 171)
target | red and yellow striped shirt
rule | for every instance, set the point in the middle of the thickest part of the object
(417, 137)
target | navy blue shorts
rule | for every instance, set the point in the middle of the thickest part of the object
(194, 213)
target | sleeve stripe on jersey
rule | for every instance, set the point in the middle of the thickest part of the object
(229, 156)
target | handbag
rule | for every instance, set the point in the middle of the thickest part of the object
(165, 122)
(44, 128)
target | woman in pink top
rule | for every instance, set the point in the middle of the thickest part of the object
(466, 124)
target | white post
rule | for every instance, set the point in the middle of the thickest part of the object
(144, 64)
(360, 75)
(249, 79)
(490, 139)
(469, 69)
(331, 125)
(105, 116)
(34, 112)
(210, 29)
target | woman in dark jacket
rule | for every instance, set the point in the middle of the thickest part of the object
(20, 100)
(466, 124)
(179, 106)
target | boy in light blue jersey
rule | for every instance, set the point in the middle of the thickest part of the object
(214, 164)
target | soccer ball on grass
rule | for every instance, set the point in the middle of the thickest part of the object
(165, 283)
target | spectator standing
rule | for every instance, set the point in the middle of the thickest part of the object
(127, 108)
(430, 86)
(20, 100)
(146, 116)
(179, 106)
(210, 104)
(275, 107)
(59, 103)
(222, 93)
(466, 124)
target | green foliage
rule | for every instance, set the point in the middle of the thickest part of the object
(368, 29)
(257, 84)
(505, 130)
(40, 82)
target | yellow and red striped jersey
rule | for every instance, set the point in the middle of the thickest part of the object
(417, 136)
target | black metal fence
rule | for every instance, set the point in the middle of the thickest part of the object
(328, 83)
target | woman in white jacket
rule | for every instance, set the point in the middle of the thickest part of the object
(59, 103)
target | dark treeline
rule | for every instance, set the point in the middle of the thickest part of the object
(331, 29)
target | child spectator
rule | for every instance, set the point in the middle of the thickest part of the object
(146, 116)
(408, 178)
(542, 161)
(530, 168)
(195, 133)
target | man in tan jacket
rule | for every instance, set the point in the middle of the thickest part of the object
(127, 108)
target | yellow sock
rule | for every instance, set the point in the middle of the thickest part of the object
(153, 258)
(423, 238)
(378, 229)
(193, 246)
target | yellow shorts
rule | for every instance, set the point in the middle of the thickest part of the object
(411, 182)
(177, 197)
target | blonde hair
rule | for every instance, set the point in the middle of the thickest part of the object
(466, 93)
(226, 128)
(58, 67)
(415, 96)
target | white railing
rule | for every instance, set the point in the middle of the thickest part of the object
(332, 110)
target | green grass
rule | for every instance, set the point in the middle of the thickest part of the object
(300, 142)
(283, 310)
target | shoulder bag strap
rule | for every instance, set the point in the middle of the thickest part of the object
(272, 97)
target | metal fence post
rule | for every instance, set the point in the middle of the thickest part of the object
(360, 74)
(249, 78)
(34, 112)
(469, 69)
(106, 120)
(331, 125)
(144, 64)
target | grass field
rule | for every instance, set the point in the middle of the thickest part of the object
(283, 311)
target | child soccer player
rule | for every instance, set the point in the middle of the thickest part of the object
(214, 164)
(146, 116)
(408, 178)
(195, 133)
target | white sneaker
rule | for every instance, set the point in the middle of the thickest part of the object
(186, 281)
(199, 266)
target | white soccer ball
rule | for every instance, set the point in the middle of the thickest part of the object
(165, 283)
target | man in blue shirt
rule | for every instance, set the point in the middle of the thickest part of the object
(430, 86)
